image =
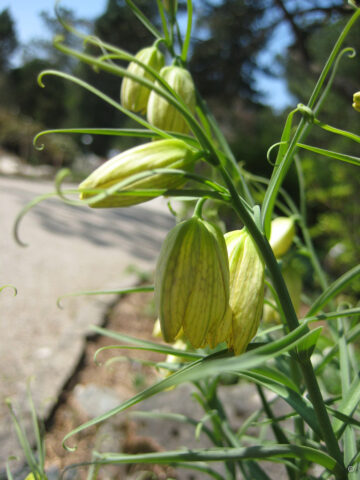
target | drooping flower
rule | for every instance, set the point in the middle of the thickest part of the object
(192, 284)
(356, 100)
(282, 235)
(133, 95)
(246, 288)
(160, 112)
(170, 153)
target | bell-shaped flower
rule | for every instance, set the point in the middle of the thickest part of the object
(160, 112)
(133, 95)
(282, 235)
(192, 284)
(246, 288)
(356, 100)
(168, 154)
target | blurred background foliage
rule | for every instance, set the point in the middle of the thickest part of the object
(229, 38)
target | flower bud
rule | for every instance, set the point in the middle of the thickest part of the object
(246, 288)
(282, 235)
(192, 283)
(356, 99)
(160, 112)
(171, 153)
(133, 95)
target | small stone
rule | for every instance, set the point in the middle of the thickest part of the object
(95, 400)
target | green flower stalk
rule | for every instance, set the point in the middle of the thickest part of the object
(246, 288)
(171, 153)
(282, 235)
(160, 112)
(170, 6)
(133, 95)
(192, 284)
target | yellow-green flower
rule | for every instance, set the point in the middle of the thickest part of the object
(171, 153)
(356, 99)
(133, 95)
(282, 235)
(160, 112)
(192, 284)
(246, 288)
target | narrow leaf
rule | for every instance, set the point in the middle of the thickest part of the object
(334, 289)
(328, 153)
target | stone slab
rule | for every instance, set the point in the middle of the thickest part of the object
(69, 249)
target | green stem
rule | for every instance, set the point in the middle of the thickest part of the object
(331, 58)
(163, 20)
(198, 207)
(291, 317)
(298, 421)
(186, 44)
(277, 430)
(304, 228)
(313, 257)
(303, 127)
(231, 163)
(216, 420)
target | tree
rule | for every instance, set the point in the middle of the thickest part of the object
(223, 63)
(8, 40)
(333, 186)
(118, 26)
(44, 105)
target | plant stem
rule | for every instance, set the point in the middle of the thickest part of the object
(291, 317)
(277, 430)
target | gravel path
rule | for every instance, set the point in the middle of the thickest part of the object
(69, 249)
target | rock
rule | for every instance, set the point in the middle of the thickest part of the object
(9, 164)
(94, 400)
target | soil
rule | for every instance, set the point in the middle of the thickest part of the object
(134, 316)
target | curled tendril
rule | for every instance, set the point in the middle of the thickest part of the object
(351, 53)
(218, 192)
(110, 347)
(40, 79)
(40, 147)
(127, 132)
(105, 97)
(9, 286)
(24, 211)
(69, 28)
(277, 144)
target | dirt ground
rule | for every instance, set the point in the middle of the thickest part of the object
(133, 315)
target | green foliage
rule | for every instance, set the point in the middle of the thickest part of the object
(296, 361)
(25, 93)
(17, 133)
(224, 62)
(117, 25)
(334, 211)
(8, 40)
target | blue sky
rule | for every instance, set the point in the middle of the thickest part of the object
(29, 25)
(26, 13)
